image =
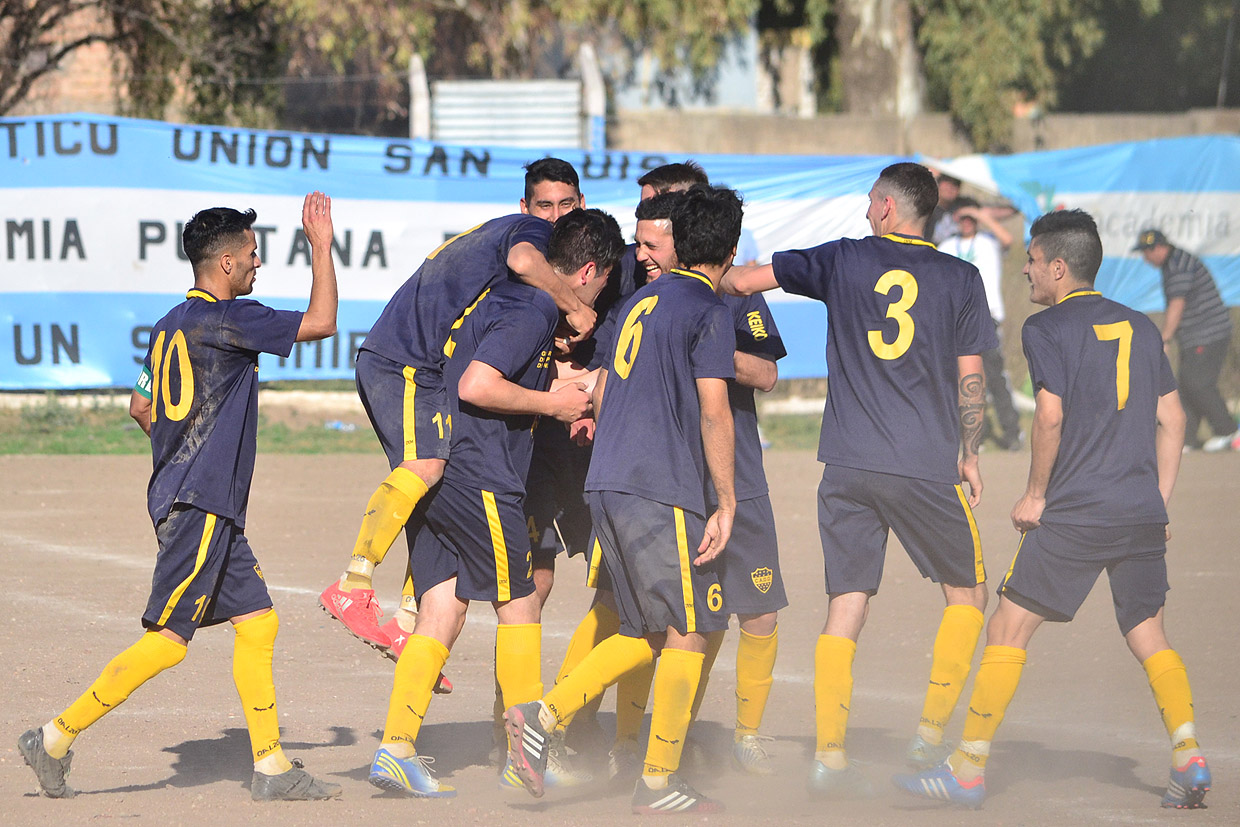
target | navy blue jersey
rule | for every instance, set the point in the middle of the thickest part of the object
(1106, 362)
(756, 333)
(203, 360)
(900, 314)
(675, 331)
(510, 329)
(415, 324)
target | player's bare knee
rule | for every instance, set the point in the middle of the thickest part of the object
(526, 609)
(760, 625)
(430, 471)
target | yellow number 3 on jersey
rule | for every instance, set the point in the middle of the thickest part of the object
(897, 310)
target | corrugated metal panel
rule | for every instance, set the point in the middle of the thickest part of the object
(534, 113)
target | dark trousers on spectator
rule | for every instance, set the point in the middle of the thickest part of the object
(1200, 367)
(999, 390)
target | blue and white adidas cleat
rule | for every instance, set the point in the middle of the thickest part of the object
(1188, 786)
(941, 784)
(411, 776)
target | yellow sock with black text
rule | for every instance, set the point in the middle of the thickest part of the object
(954, 646)
(755, 665)
(386, 514)
(675, 683)
(253, 652)
(714, 642)
(1169, 683)
(632, 693)
(833, 685)
(150, 655)
(602, 667)
(416, 673)
(599, 624)
(993, 689)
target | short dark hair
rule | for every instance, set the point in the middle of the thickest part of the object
(706, 225)
(913, 184)
(965, 201)
(1071, 235)
(674, 176)
(550, 169)
(209, 230)
(659, 206)
(582, 236)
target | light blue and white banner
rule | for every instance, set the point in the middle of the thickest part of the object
(92, 209)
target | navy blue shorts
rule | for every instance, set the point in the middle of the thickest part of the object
(933, 521)
(475, 536)
(648, 549)
(556, 513)
(408, 407)
(749, 565)
(205, 573)
(1056, 566)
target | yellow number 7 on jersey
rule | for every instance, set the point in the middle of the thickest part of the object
(1120, 332)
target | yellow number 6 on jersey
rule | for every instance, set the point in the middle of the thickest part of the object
(631, 336)
(897, 310)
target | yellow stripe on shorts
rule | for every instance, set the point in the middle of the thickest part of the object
(979, 570)
(596, 559)
(410, 427)
(502, 582)
(686, 571)
(204, 543)
(1012, 565)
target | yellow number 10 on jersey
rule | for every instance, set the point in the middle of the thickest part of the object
(631, 336)
(897, 310)
(162, 362)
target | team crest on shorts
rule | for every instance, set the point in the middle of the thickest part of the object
(762, 578)
(259, 572)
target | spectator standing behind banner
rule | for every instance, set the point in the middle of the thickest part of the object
(1198, 320)
(984, 250)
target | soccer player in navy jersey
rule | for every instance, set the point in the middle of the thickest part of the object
(1106, 442)
(400, 381)
(198, 400)
(664, 425)
(907, 328)
(471, 541)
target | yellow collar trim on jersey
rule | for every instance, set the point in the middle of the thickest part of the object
(1075, 293)
(695, 275)
(200, 294)
(907, 240)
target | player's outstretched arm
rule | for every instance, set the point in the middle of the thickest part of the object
(319, 320)
(745, 280)
(719, 446)
(972, 405)
(531, 266)
(755, 371)
(1169, 441)
(1044, 448)
(484, 386)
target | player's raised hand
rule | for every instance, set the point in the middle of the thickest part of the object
(571, 402)
(582, 321)
(316, 220)
(715, 538)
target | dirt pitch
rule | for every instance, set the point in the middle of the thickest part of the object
(1082, 742)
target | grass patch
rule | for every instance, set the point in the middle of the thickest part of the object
(791, 432)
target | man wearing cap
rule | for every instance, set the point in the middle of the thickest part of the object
(1198, 320)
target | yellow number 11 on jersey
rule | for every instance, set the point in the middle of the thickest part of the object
(1120, 332)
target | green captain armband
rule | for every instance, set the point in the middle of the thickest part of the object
(143, 386)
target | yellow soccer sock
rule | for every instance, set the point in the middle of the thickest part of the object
(150, 655)
(518, 662)
(993, 689)
(386, 514)
(599, 624)
(598, 670)
(253, 652)
(755, 663)
(714, 641)
(833, 684)
(632, 693)
(675, 683)
(1169, 682)
(416, 672)
(953, 657)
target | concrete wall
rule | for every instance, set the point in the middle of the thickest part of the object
(930, 134)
